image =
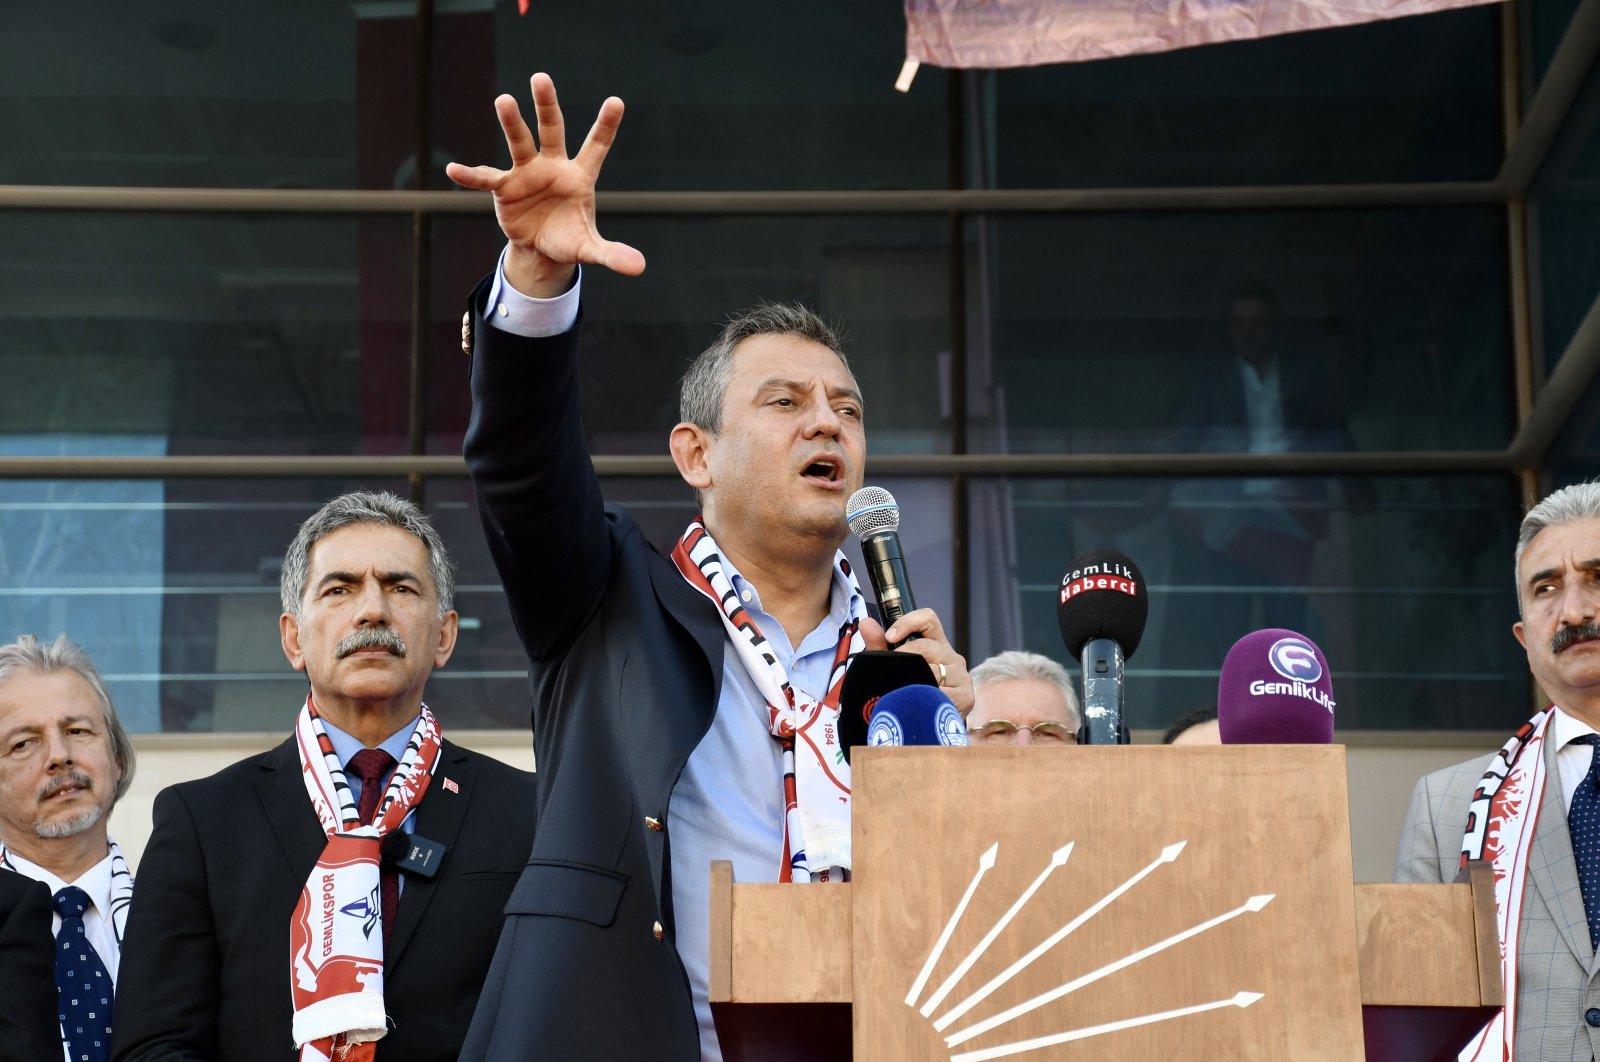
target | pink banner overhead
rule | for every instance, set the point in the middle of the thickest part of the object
(990, 34)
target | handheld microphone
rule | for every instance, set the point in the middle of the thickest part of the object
(1102, 610)
(874, 518)
(1275, 689)
(916, 715)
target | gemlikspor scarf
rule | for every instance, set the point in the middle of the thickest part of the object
(816, 777)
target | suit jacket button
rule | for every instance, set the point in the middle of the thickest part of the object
(654, 824)
(1592, 1016)
(466, 333)
(657, 932)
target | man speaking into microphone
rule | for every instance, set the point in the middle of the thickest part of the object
(685, 707)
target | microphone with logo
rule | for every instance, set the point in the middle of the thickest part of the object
(1102, 611)
(915, 715)
(1275, 689)
(874, 518)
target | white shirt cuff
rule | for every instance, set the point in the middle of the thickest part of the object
(522, 315)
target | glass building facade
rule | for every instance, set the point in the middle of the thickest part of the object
(232, 274)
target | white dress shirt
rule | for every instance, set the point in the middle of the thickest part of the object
(97, 927)
(96, 881)
(1572, 761)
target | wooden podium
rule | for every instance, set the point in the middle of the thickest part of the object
(1106, 903)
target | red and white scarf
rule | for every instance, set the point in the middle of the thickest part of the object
(1500, 825)
(816, 777)
(336, 934)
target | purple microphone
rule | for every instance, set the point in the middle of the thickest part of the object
(1275, 690)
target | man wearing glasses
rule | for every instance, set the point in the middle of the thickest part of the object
(1023, 699)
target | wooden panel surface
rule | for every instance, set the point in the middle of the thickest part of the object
(1253, 821)
(1480, 876)
(791, 944)
(1418, 945)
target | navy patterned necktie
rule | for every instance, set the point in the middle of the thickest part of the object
(1583, 819)
(83, 982)
(372, 766)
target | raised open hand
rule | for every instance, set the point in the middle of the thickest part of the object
(545, 201)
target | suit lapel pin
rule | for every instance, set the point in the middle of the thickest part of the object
(450, 786)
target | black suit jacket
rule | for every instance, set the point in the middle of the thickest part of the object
(29, 1031)
(205, 965)
(1216, 419)
(626, 664)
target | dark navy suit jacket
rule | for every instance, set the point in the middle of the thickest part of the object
(626, 663)
(29, 1031)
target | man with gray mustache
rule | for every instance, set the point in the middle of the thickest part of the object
(1532, 810)
(65, 761)
(340, 895)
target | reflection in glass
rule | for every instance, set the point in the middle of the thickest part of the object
(884, 280)
(1411, 99)
(1372, 330)
(1564, 216)
(222, 333)
(1404, 582)
(87, 558)
(730, 95)
(212, 95)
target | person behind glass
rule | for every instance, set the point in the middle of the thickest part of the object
(1023, 698)
(274, 914)
(1262, 397)
(1197, 726)
(662, 713)
(65, 761)
(1541, 824)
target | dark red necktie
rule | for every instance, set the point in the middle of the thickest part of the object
(372, 766)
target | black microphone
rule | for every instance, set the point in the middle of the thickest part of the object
(874, 518)
(393, 849)
(872, 675)
(1102, 611)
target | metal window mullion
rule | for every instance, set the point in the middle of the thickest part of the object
(421, 254)
(776, 203)
(660, 466)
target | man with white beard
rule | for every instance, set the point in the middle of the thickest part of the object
(64, 763)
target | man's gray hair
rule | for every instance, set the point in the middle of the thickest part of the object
(1020, 664)
(1581, 501)
(28, 653)
(705, 384)
(364, 507)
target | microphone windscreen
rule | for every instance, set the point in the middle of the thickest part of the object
(1102, 596)
(1275, 689)
(872, 674)
(871, 509)
(393, 847)
(916, 715)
